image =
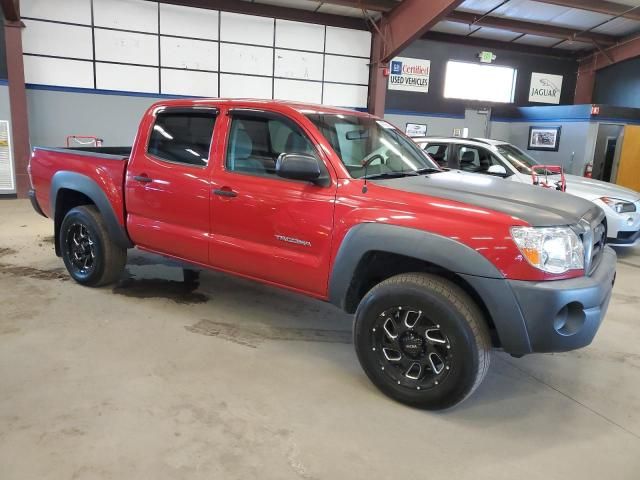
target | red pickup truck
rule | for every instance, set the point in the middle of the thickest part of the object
(438, 266)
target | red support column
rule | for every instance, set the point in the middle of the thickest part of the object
(584, 86)
(395, 30)
(18, 105)
(377, 79)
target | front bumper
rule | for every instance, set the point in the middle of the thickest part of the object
(625, 239)
(548, 316)
(566, 314)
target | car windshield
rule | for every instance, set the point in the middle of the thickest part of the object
(516, 157)
(372, 148)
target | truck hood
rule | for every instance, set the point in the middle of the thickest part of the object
(592, 189)
(536, 205)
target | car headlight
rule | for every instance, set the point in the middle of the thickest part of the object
(620, 206)
(550, 249)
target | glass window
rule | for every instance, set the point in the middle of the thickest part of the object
(439, 152)
(474, 81)
(476, 159)
(256, 141)
(371, 147)
(183, 137)
(517, 158)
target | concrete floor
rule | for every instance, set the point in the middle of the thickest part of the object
(158, 380)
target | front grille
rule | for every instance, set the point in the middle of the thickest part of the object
(594, 237)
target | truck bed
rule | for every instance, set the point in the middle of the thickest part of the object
(104, 166)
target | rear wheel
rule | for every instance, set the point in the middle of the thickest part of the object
(89, 254)
(422, 340)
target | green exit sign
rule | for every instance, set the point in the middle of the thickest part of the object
(486, 57)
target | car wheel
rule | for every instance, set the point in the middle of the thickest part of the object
(89, 254)
(422, 340)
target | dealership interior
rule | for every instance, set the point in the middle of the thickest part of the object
(319, 239)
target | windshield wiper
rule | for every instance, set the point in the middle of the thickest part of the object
(408, 173)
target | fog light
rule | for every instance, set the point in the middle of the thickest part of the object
(570, 319)
(629, 221)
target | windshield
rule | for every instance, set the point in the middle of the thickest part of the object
(372, 147)
(517, 158)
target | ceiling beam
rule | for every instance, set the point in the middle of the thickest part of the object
(530, 28)
(624, 50)
(10, 10)
(373, 5)
(265, 10)
(409, 20)
(599, 6)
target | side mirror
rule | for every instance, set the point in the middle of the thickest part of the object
(298, 166)
(497, 170)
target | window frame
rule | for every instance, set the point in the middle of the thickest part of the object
(169, 110)
(325, 177)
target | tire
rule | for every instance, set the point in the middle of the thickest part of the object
(442, 347)
(91, 257)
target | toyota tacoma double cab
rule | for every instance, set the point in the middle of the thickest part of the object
(439, 267)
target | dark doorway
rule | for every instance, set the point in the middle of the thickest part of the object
(609, 155)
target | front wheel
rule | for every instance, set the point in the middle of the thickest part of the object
(89, 254)
(422, 340)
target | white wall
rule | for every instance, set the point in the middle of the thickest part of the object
(147, 47)
(436, 126)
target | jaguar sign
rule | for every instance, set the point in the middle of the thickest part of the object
(545, 88)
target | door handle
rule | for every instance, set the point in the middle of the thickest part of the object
(225, 192)
(142, 178)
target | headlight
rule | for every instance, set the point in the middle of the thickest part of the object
(550, 249)
(620, 206)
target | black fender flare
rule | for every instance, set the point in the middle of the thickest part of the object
(444, 252)
(85, 185)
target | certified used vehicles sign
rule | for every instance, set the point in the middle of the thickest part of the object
(410, 74)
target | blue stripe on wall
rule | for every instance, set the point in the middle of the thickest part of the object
(392, 111)
(4, 81)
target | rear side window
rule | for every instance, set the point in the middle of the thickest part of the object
(183, 136)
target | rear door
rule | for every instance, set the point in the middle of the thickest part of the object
(264, 226)
(168, 186)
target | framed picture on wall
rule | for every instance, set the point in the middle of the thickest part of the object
(544, 138)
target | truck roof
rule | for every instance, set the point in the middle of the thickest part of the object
(300, 107)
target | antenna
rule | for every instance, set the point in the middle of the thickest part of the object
(366, 165)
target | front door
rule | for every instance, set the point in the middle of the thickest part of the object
(264, 226)
(168, 186)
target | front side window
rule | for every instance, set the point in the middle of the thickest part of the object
(256, 141)
(371, 147)
(183, 136)
(476, 159)
(438, 152)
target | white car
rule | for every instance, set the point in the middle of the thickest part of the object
(493, 157)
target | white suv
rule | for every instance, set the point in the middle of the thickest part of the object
(494, 157)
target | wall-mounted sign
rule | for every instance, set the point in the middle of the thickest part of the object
(410, 74)
(545, 88)
(486, 57)
(416, 129)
